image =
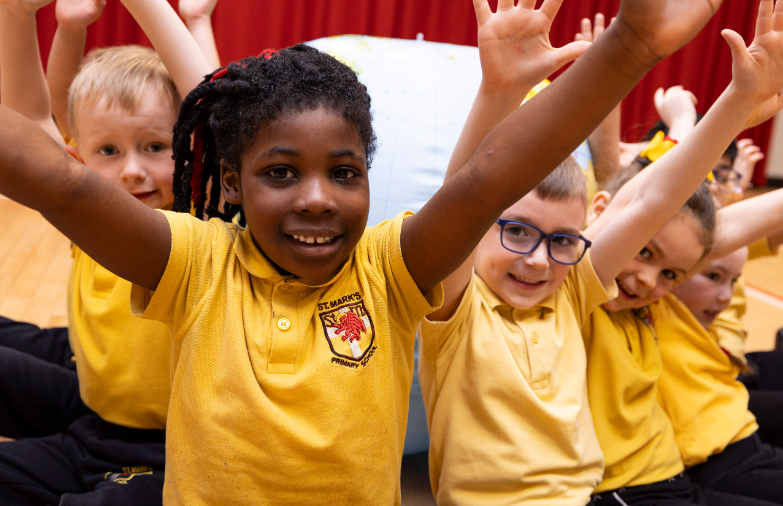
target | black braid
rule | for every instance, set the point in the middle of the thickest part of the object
(252, 93)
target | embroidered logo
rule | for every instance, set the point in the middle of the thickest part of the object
(127, 474)
(348, 329)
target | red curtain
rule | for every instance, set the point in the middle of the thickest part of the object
(244, 27)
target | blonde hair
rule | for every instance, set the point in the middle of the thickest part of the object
(566, 182)
(120, 76)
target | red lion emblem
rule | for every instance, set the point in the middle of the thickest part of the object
(352, 325)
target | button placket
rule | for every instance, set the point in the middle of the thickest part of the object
(285, 335)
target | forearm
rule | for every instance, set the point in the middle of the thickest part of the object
(173, 42)
(22, 83)
(748, 221)
(65, 58)
(201, 30)
(605, 148)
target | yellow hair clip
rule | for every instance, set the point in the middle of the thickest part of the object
(658, 146)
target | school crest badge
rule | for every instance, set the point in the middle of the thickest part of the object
(348, 328)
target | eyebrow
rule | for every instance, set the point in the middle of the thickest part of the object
(659, 251)
(279, 150)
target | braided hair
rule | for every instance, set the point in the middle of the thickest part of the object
(225, 111)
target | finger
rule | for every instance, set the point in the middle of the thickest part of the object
(744, 142)
(569, 52)
(527, 4)
(658, 98)
(504, 5)
(612, 20)
(599, 25)
(587, 30)
(777, 18)
(739, 50)
(764, 20)
(550, 8)
(693, 98)
(578, 37)
(483, 12)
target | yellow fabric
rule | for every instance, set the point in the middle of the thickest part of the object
(623, 367)
(728, 328)
(122, 361)
(706, 404)
(269, 405)
(506, 401)
(658, 147)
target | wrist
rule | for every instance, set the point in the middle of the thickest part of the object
(72, 28)
(197, 21)
(14, 11)
(503, 98)
(630, 39)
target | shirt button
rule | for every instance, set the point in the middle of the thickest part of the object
(534, 338)
(284, 324)
(285, 288)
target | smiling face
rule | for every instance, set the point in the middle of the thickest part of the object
(709, 292)
(525, 280)
(663, 262)
(131, 149)
(304, 190)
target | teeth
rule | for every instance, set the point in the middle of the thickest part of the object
(528, 281)
(626, 289)
(313, 240)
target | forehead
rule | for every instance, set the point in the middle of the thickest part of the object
(154, 112)
(678, 243)
(548, 215)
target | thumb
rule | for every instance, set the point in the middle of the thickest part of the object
(658, 99)
(739, 51)
(570, 52)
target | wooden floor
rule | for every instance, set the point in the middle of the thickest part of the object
(35, 262)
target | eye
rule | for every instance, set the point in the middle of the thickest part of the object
(108, 151)
(563, 240)
(343, 174)
(646, 254)
(668, 274)
(281, 173)
(156, 148)
(714, 276)
(516, 230)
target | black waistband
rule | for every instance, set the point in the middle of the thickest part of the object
(107, 430)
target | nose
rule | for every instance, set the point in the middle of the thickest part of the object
(315, 196)
(538, 258)
(133, 170)
(647, 277)
(725, 294)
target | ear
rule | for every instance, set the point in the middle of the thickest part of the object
(229, 183)
(74, 152)
(599, 204)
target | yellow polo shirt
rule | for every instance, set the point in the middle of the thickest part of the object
(506, 399)
(623, 367)
(706, 404)
(122, 361)
(728, 327)
(285, 390)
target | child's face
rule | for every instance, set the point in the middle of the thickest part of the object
(722, 198)
(709, 292)
(133, 150)
(304, 188)
(525, 280)
(663, 262)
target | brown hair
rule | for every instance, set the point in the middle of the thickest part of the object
(120, 76)
(566, 182)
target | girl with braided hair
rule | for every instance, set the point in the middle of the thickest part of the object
(270, 405)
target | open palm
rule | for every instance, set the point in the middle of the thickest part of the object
(81, 12)
(514, 44)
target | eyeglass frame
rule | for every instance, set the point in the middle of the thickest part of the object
(739, 180)
(542, 237)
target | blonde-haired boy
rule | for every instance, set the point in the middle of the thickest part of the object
(110, 449)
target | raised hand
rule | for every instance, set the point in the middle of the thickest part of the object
(78, 13)
(514, 45)
(195, 9)
(676, 107)
(591, 31)
(748, 155)
(757, 71)
(663, 26)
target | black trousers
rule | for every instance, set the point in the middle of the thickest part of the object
(677, 491)
(94, 463)
(747, 467)
(39, 389)
(765, 386)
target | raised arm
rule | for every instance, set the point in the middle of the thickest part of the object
(22, 82)
(528, 144)
(126, 237)
(197, 15)
(170, 38)
(65, 57)
(758, 75)
(511, 67)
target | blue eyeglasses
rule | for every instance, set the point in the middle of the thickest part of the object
(524, 238)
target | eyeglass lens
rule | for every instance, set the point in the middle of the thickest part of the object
(521, 238)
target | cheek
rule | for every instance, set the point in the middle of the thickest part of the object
(163, 175)
(660, 290)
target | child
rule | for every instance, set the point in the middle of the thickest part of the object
(503, 374)
(122, 106)
(292, 340)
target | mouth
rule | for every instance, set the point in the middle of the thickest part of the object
(625, 292)
(710, 315)
(526, 283)
(315, 245)
(144, 195)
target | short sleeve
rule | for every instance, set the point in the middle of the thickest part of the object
(187, 276)
(438, 337)
(382, 248)
(760, 248)
(584, 290)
